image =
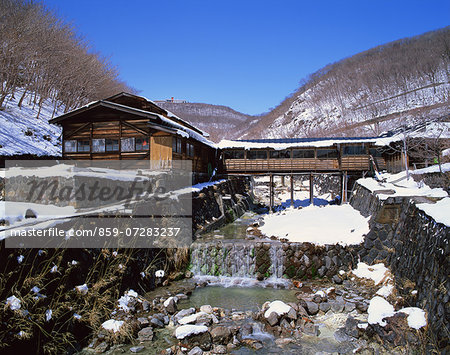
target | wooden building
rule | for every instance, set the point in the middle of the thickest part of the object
(126, 126)
(301, 155)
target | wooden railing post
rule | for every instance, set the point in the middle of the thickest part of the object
(311, 189)
(292, 190)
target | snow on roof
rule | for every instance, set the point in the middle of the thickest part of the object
(280, 144)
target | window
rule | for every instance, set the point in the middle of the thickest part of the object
(280, 154)
(256, 154)
(98, 145)
(84, 146)
(176, 145)
(234, 154)
(70, 146)
(112, 145)
(375, 152)
(303, 153)
(142, 144)
(327, 154)
(354, 150)
(127, 144)
(190, 149)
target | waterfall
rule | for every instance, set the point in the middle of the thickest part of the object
(235, 262)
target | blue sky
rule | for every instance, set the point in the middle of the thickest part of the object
(248, 55)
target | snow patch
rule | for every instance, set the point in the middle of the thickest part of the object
(377, 272)
(318, 225)
(378, 309)
(113, 325)
(416, 317)
(439, 211)
(189, 329)
(279, 307)
(14, 303)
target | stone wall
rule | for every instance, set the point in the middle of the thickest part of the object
(416, 249)
(219, 204)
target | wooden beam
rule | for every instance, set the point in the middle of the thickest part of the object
(292, 190)
(77, 130)
(132, 126)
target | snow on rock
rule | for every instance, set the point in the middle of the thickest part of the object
(189, 329)
(377, 272)
(192, 318)
(400, 186)
(13, 302)
(126, 299)
(159, 273)
(416, 317)
(113, 325)
(167, 301)
(439, 211)
(318, 225)
(83, 289)
(378, 309)
(385, 291)
(279, 307)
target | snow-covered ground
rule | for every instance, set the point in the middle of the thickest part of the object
(22, 133)
(318, 225)
(398, 185)
(393, 185)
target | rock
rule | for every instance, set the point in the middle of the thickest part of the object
(302, 311)
(337, 280)
(195, 351)
(282, 342)
(322, 271)
(101, 348)
(311, 329)
(146, 334)
(145, 305)
(156, 322)
(202, 340)
(324, 307)
(206, 308)
(285, 324)
(349, 307)
(337, 306)
(219, 349)
(252, 343)
(362, 306)
(245, 330)
(137, 349)
(312, 308)
(292, 314)
(221, 335)
(143, 322)
(30, 214)
(351, 327)
(170, 305)
(188, 274)
(272, 319)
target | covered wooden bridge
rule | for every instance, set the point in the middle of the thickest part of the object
(349, 157)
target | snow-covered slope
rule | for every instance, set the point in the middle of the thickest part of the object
(22, 133)
(368, 93)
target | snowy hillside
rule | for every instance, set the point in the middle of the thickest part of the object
(368, 93)
(22, 133)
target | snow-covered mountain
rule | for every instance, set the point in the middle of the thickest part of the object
(219, 121)
(22, 133)
(402, 82)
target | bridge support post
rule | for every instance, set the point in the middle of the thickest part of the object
(271, 193)
(344, 188)
(282, 181)
(311, 189)
(292, 190)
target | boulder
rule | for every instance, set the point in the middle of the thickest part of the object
(170, 305)
(206, 308)
(146, 334)
(137, 349)
(324, 307)
(312, 308)
(219, 349)
(272, 319)
(195, 351)
(221, 335)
